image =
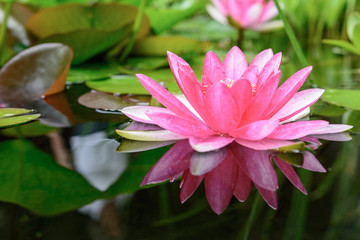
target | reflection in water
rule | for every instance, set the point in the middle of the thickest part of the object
(95, 157)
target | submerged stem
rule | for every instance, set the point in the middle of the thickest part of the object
(252, 216)
(240, 37)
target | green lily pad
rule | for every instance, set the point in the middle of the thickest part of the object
(88, 29)
(344, 98)
(92, 71)
(15, 116)
(128, 84)
(33, 129)
(327, 110)
(163, 19)
(159, 45)
(33, 180)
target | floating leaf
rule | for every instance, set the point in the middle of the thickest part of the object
(35, 72)
(99, 100)
(14, 116)
(127, 145)
(344, 98)
(33, 129)
(129, 84)
(88, 29)
(163, 19)
(92, 71)
(158, 45)
(353, 119)
(327, 110)
(33, 180)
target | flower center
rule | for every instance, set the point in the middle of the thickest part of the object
(228, 81)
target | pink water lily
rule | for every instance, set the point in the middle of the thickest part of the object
(252, 14)
(227, 124)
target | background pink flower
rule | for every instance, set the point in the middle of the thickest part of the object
(252, 14)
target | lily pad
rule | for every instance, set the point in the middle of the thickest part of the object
(163, 19)
(130, 84)
(15, 116)
(35, 72)
(92, 71)
(33, 180)
(88, 29)
(99, 100)
(159, 45)
(344, 98)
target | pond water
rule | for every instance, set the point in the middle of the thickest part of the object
(69, 175)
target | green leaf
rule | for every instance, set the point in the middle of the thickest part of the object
(356, 36)
(92, 71)
(344, 98)
(163, 19)
(353, 119)
(327, 110)
(14, 116)
(33, 180)
(342, 44)
(352, 21)
(127, 145)
(159, 45)
(88, 29)
(34, 129)
(89, 42)
(129, 84)
(295, 159)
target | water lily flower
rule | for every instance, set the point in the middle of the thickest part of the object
(246, 14)
(228, 125)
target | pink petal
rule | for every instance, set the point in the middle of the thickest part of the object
(314, 142)
(157, 135)
(189, 184)
(340, 137)
(220, 102)
(213, 70)
(290, 174)
(311, 163)
(287, 90)
(298, 103)
(235, 63)
(259, 104)
(255, 131)
(202, 163)
(333, 128)
(179, 125)
(264, 144)
(261, 59)
(270, 68)
(270, 197)
(210, 143)
(165, 97)
(173, 163)
(242, 93)
(294, 130)
(242, 187)
(257, 165)
(270, 11)
(219, 185)
(137, 113)
(140, 126)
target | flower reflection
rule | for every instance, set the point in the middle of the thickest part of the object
(227, 124)
(245, 14)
